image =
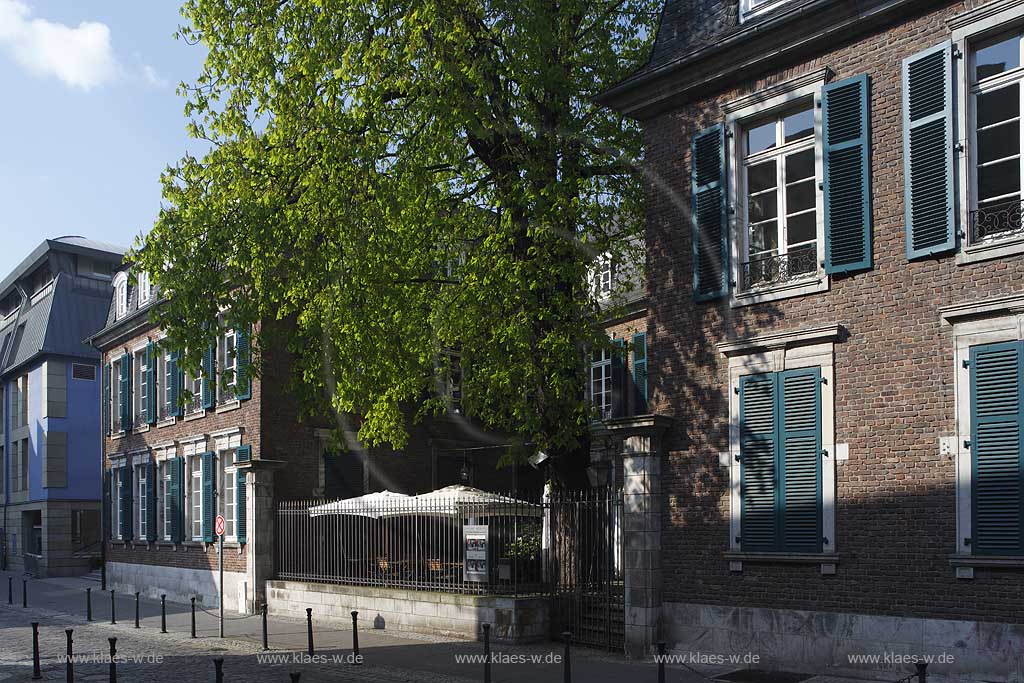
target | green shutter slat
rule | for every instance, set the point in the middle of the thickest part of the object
(240, 505)
(710, 227)
(758, 523)
(618, 379)
(799, 421)
(175, 380)
(151, 388)
(997, 415)
(107, 508)
(928, 151)
(106, 399)
(151, 502)
(640, 373)
(126, 392)
(243, 453)
(209, 378)
(126, 503)
(243, 355)
(846, 138)
(177, 499)
(208, 501)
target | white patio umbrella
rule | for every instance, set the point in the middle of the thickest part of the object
(373, 505)
(459, 501)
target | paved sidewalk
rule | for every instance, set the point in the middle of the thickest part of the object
(154, 656)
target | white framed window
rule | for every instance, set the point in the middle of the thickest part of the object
(164, 483)
(195, 497)
(601, 382)
(115, 502)
(145, 290)
(142, 504)
(226, 474)
(165, 384)
(194, 383)
(140, 409)
(603, 276)
(116, 397)
(774, 158)
(227, 364)
(751, 8)
(121, 295)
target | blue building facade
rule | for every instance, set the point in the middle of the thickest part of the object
(50, 402)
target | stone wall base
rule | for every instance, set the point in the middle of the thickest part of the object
(178, 583)
(831, 643)
(513, 620)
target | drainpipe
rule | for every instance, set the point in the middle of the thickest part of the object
(103, 540)
(7, 448)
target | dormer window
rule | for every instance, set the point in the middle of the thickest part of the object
(603, 276)
(145, 291)
(121, 295)
(751, 8)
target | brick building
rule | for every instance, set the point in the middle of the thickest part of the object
(181, 449)
(833, 464)
(49, 404)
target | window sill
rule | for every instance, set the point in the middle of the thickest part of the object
(166, 422)
(227, 407)
(140, 429)
(992, 250)
(118, 435)
(802, 287)
(198, 415)
(826, 561)
(998, 561)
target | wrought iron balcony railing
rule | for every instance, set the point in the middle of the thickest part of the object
(998, 221)
(778, 269)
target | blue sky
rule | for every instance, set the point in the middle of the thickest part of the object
(89, 118)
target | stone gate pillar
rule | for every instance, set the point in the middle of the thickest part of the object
(261, 533)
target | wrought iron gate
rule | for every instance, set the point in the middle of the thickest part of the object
(585, 567)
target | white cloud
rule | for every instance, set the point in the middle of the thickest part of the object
(152, 77)
(81, 56)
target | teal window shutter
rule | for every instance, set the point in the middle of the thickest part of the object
(243, 356)
(126, 393)
(209, 506)
(243, 453)
(710, 226)
(618, 378)
(997, 468)
(177, 493)
(151, 390)
(758, 519)
(106, 399)
(640, 373)
(209, 377)
(846, 153)
(240, 524)
(928, 151)
(174, 377)
(151, 506)
(799, 449)
(107, 509)
(126, 503)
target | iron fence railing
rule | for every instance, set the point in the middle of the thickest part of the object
(997, 221)
(798, 263)
(498, 544)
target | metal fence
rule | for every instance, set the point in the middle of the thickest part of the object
(492, 545)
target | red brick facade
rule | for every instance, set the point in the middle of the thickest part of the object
(894, 377)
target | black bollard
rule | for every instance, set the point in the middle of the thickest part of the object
(163, 614)
(309, 630)
(36, 674)
(24, 592)
(71, 662)
(113, 659)
(356, 659)
(193, 599)
(661, 662)
(88, 604)
(113, 615)
(136, 609)
(487, 653)
(922, 672)
(264, 615)
(218, 665)
(10, 590)
(296, 675)
(567, 669)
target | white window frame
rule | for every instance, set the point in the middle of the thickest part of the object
(120, 295)
(226, 444)
(142, 504)
(604, 365)
(164, 384)
(140, 385)
(145, 291)
(227, 360)
(777, 352)
(195, 495)
(968, 29)
(115, 396)
(752, 8)
(740, 114)
(115, 497)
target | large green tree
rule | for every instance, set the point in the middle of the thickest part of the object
(400, 179)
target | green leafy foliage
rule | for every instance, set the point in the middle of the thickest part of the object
(397, 180)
